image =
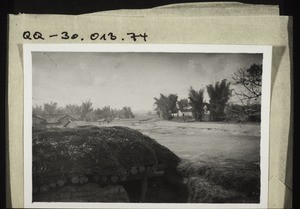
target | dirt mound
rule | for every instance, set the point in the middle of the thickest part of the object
(110, 153)
(229, 177)
(202, 191)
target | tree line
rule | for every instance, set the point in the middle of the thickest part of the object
(249, 82)
(84, 111)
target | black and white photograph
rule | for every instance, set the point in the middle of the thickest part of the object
(147, 124)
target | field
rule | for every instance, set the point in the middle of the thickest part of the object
(191, 140)
(220, 160)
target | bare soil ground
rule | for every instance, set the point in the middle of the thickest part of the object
(193, 140)
(221, 161)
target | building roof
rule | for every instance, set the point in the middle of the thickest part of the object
(74, 124)
(187, 109)
(67, 115)
(54, 118)
(39, 117)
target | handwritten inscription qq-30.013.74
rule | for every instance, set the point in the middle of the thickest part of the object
(110, 36)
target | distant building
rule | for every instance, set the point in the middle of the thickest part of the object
(206, 113)
(65, 119)
(175, 114)
(52, 120)
(100, 121)
(78, 124)
(38, 122)
(187, 112)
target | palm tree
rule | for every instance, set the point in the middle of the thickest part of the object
(73, 109)
(37, 110)
(219, 95)
(165, 105)
(183, 103)
(50, 108)
(86, 107)
(173, 103)
(196, 102)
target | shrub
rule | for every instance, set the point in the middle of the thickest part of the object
(243, 113)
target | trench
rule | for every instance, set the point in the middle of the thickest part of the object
(159, 190)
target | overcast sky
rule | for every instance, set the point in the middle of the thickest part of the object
(127, 79)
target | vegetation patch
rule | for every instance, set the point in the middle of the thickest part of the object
(202, 191)
(221, 180)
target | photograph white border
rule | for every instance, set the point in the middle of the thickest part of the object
(167, 48)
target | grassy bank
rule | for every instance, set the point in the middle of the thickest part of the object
(221, 180)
